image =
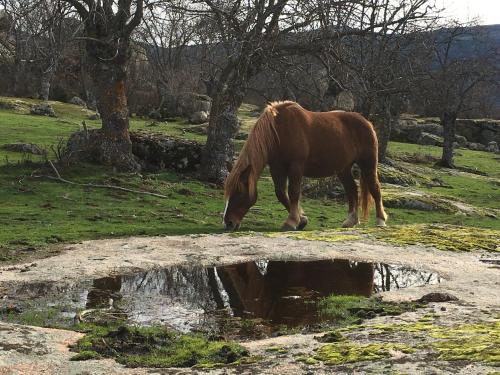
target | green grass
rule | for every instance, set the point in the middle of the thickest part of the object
(40, 212)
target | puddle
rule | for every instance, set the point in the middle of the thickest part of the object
(270, 293)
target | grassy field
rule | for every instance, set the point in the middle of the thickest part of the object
(36, 212)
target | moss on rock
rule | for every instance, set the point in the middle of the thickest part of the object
(156, 347)
(348, 352)
(442, 237)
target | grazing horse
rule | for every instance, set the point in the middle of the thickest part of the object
(295, 142)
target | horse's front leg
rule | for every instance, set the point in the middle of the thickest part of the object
(280, 180)
(296, 219)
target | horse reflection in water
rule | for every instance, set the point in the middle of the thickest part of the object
(281, 291)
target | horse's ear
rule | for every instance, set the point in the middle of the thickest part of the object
(229, 166)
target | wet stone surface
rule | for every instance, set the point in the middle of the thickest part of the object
(257, 299)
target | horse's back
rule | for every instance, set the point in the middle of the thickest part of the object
(328, 142)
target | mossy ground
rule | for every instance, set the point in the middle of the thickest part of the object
(39, 212)
(441, 236)
(349, 352)
(476, 342)
(155, 347)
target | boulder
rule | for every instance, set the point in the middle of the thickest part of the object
(184, 104)
(42, 109)
(461, 140)
(437, 297)
(25, 148)
(408, 130)
(199, 117)
(475, 146)
(78, 101)
(479, 131)
(492, 147)
(429, 139)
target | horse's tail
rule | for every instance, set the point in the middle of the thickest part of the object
(365, 196)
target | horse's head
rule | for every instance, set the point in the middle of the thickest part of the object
(241, 194)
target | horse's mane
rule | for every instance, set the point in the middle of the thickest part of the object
(255, 152)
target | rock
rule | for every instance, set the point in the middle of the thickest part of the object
(408, 130)
(26, 148)
(475, 146)
(78, 101)
(479, 131)
(391, 175)
(158, 151)
(7, 105)
(429, 139)
(94, 116)
(184, 104)
(199, 117)
(461, 140)
(437, 297)
(492, 146)
(42, 109)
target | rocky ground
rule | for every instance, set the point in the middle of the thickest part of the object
(447, 337)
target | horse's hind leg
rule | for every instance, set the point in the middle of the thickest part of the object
(280, 181)
(351, 190)
(296, 220)
(369, 173)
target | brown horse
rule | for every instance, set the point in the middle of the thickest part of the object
(294, 143)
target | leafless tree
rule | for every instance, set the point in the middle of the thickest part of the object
(453, 76)
(248, 36)
(41, 33)
(168, 31)
(378, 66)
(107, 30)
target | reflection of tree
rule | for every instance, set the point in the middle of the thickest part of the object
(282, 293)
(388, 277)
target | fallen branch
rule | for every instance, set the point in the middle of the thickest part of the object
(102, 186)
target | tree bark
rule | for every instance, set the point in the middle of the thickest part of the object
(222, 128)
(107, 64)
(448, 120)
(45, 82)
(384, 132)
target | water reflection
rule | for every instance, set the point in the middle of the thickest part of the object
(190, 298)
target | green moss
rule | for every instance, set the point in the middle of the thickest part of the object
(277, 349)
(472, 342)
(478, 342)
(348, 352)
(443, 237)
(85, 355)
(346, 310)
(333, 235)
(331, 336)
(157, 347)
(307, 360)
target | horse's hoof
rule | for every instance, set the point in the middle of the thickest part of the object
(381, 222)
(288, 227)
(303, 222)
(350, 223)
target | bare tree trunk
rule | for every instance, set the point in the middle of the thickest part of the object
(107, 67)
(384, 134)
(448, 120)
(45, 82)
(222, 129)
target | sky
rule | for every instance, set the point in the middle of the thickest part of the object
(465, 10)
